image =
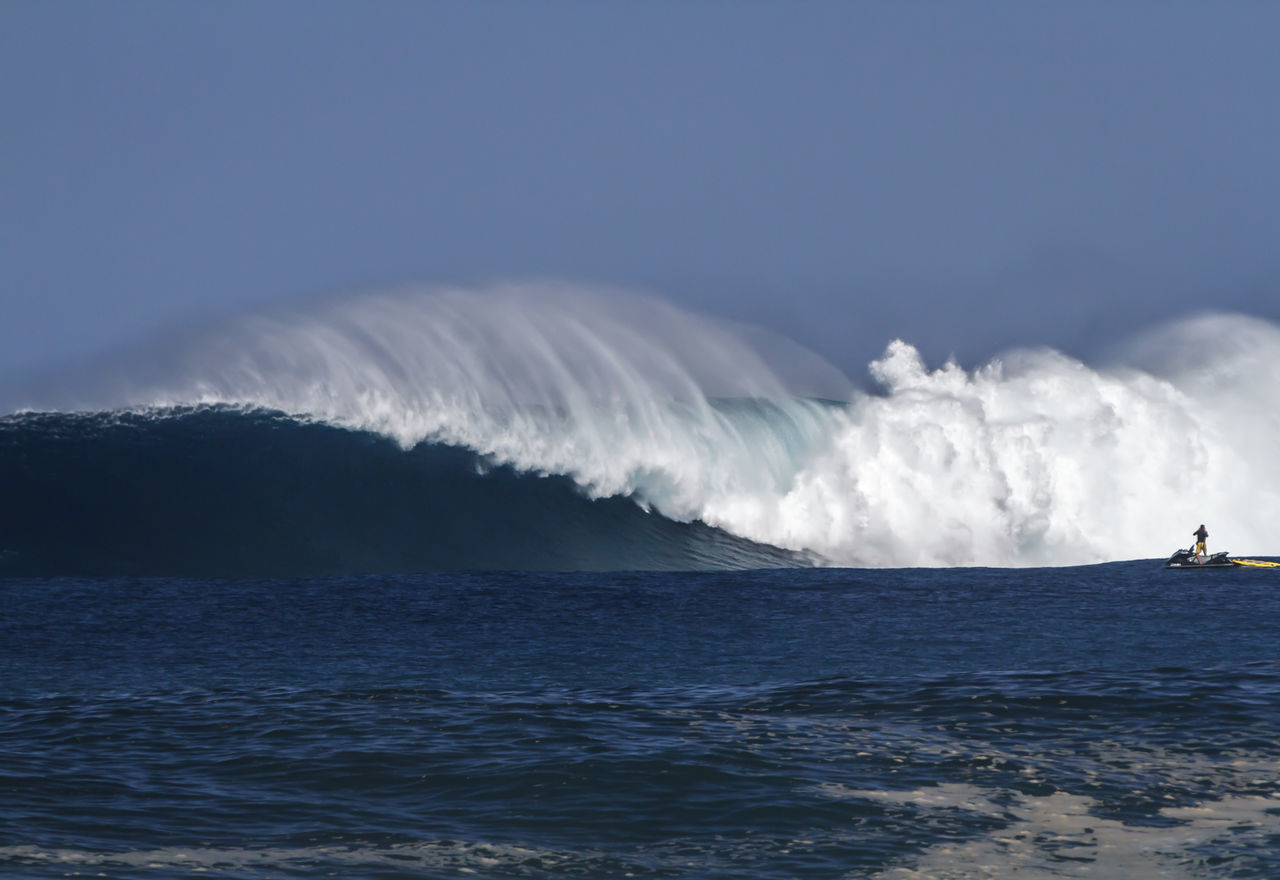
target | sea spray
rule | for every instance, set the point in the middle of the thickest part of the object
(1037, 460)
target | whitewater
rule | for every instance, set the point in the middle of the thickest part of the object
(1032, 459)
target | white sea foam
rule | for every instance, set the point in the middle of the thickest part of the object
(1032, 459)
(1058, 835)
(1040, 459)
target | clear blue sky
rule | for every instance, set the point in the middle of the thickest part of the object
(966, 175)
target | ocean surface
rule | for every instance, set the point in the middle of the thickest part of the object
(656, 596)
(1113, 720)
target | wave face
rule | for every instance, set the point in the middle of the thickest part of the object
(552, 427)
(220, 492)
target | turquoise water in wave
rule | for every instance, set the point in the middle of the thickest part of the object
(1107, 721)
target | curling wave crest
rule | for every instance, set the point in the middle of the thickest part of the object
(1032, 459)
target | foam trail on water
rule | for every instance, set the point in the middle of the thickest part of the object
(1032, 459)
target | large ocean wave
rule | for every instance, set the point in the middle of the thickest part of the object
(223, 492)
(547, 426)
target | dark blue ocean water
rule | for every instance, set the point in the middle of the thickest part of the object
(1108, 721)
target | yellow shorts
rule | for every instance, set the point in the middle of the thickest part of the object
(1200, 547)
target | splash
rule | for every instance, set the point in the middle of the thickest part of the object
(1037, 458)
(1032, 459)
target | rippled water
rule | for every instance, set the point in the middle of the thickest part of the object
(1109, 721)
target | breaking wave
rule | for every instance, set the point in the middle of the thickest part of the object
(544, 426)
(222, 492)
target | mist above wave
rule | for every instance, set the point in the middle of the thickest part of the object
(625, 394)
(1035, 458)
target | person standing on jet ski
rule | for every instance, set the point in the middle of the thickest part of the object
(1201, 535)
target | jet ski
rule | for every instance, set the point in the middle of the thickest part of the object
(1189, 559)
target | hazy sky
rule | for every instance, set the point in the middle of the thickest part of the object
(965, 175)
